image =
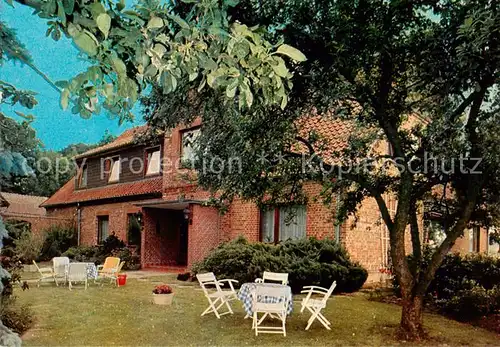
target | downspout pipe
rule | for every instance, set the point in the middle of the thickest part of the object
(79, 220)
(337, 225)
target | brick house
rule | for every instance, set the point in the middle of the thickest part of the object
(125, 183)
(26, 209)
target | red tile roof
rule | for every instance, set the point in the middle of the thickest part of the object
(21, 205)
(125, 139)
(333, 134)
(68, 195)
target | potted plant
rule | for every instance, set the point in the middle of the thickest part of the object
(163, 295)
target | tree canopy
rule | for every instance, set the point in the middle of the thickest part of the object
(419, 74)
(164, 44)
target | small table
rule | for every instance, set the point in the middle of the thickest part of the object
(245, 296)
(91, 269)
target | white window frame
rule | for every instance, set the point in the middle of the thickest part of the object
(150, 154)
(114, 174)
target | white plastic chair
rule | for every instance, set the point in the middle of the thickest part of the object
(77, 272)
(60, 265)
(218, 298)
(276, 310)
(316, 305)
(45, 273)
(273, 276)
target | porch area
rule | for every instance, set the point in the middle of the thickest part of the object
(176, 234)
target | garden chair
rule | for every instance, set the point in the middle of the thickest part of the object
(60, 265)
(45, 273)
(316, 305)
(276, 310)
(77, 272)
(114, 276)
(273, 276)
(218, 298)
(109, 267)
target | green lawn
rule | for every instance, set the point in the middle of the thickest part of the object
(126, 316)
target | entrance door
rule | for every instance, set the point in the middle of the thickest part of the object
(183, 240)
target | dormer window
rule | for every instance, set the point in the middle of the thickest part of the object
(113, 168)
(153, 161)
(189, 145)
(83, 176)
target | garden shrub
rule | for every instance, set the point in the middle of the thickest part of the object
(58, 239)
(111, 247)
(28, 246)
(307, 261)
(465, 286)
(18, 318)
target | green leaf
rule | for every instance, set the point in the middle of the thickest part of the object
(231, 89)
(62, 84)
(155, 23)
(69, 6)
(181, 22)
(190, 1)
(97, 8)
(291, 52)
(119, 66)
(284, 101)
(86, 43)
(231, 3)
(60, 12)
(104, 23)
(64, 99)
(280, 69)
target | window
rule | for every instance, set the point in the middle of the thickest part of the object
(102, 228)
(152, 161)
(474, 239)
(283, 223)
(134, 229)
(83, 176)
(114, 165)
(188, 149)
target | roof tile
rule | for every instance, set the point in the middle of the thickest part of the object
(68, 195)
(22, 205)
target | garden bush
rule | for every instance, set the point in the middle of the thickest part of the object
(18, 318)
(111, 247)
(28, 246)
(308, 262)
(58, 239)
(465, 286)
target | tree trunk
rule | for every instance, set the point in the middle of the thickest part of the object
(411, 326)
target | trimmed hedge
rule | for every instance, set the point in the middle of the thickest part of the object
(308, 262)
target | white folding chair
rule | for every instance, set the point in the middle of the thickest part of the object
(273, 276)
(277, 309)
(218, 298)
(316, 305)
(77, 272)
(45, 273)
(60, 265)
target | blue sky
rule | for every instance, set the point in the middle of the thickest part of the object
(58, 60)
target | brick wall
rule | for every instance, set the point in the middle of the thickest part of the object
(319, 217)
(41, 223)
(118, 220)
(204, 232)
